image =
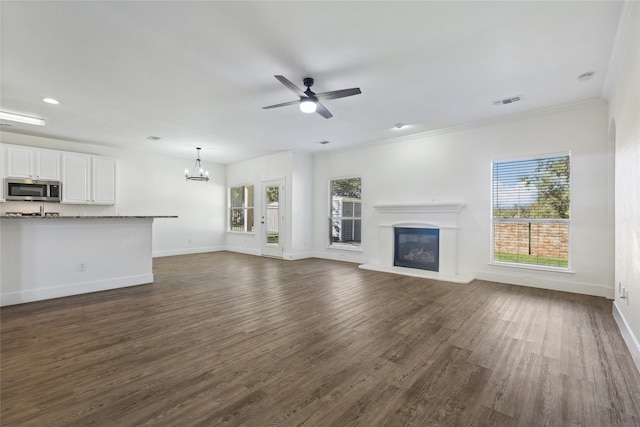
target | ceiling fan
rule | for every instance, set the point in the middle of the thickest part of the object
(310, 101)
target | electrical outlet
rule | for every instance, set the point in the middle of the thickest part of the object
(82, 266)
(624, 294)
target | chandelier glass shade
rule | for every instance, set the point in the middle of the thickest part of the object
(198, 173)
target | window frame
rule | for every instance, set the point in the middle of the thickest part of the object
(245, 208)
(331, 244)
(568, 221)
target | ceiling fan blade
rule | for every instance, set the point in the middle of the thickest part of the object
(284, 104)
(335, 94)
(322, 110)
(293, 88)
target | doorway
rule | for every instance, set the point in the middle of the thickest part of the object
(273, 218)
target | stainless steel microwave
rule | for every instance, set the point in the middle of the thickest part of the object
(32, 190)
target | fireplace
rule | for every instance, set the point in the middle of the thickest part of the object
(440, 218)
(417, 248)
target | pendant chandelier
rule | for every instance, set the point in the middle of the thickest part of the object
(198, 173)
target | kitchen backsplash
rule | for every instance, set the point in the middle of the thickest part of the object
(62, 209)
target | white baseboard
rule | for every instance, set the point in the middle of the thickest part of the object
(172, 252)
(627, 334)
(242, 250)
(340, 255)
(286, 256)
(298, 255)
(550, 283)
(414, 272)
(20, 297)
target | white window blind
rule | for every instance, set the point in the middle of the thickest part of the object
(531, 211)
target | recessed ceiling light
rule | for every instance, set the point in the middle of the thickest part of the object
(586, 76)
(153, 138)
(323, 142)
(399, 126)
(51, 101)
(21, 119)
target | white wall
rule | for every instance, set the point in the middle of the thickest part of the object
(254, 172)
(200, 206)
(455, 166)
(295, 169)
(624, 110)
(301, 205)
(151, 184)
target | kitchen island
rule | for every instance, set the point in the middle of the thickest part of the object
(43, 257)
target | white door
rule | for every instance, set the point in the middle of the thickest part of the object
(273, 211)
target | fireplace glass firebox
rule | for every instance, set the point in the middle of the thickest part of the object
(417, 248)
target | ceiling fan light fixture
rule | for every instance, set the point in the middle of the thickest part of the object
(308, 106)
(309, 101)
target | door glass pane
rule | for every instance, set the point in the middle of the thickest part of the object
(273, 215)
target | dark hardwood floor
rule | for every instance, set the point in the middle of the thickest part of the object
(230, 339)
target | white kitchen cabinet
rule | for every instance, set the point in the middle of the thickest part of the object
(88, 179)
(75, 178)
(34, 163)
(20, 162)
(47, 165)
(103, 175)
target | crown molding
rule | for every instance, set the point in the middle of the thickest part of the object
(470, 125)
(629, 11)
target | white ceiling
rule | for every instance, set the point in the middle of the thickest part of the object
(198, 73)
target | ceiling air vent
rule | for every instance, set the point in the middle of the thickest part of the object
(507, 101)
(586, 76)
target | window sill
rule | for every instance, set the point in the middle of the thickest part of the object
(244, 233)
(532, 267)
(345, 248)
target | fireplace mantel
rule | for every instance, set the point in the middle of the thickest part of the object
(436, 214)
(435, 207)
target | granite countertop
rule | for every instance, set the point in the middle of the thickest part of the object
(88, 216)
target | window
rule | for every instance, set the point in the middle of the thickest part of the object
(241, 208)
(345, 216)
(531, 211)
